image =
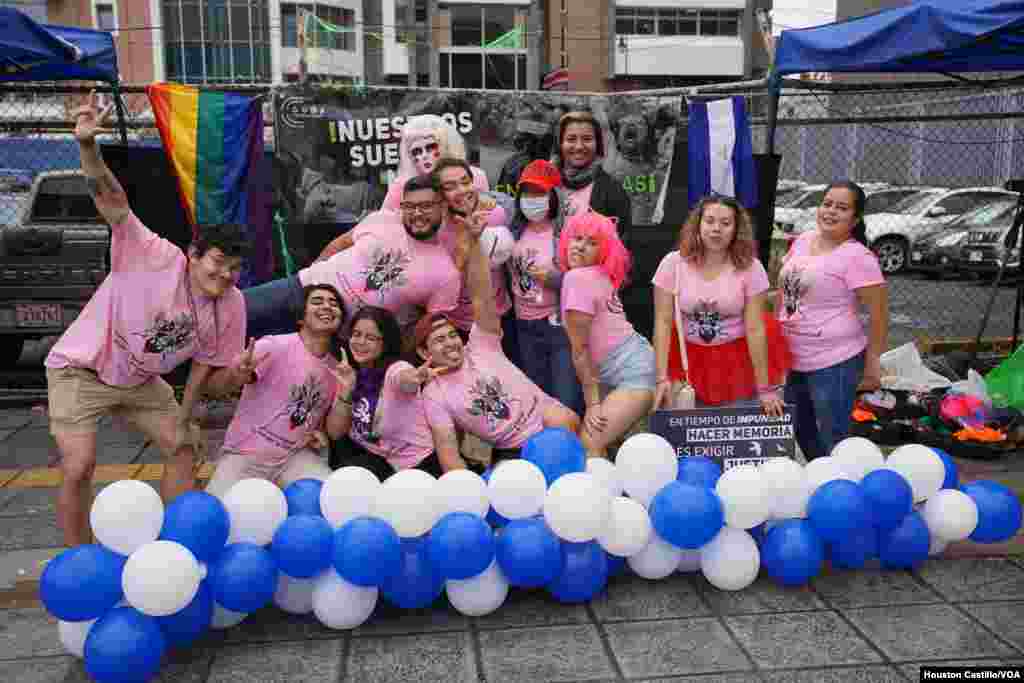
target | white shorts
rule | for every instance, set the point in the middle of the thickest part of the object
(234, 467)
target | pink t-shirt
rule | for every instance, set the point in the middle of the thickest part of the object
(462, 315)
(589, 290)
(713, 310)
(820, 312)
(290, 399)
(396, 187)
(579, 200)
(488, 396)
(145, 320)
(403, 436)
(533, 301)
(387, 268)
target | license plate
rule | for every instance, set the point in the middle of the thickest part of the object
(916, 256)
(974, 256)
(38, 315)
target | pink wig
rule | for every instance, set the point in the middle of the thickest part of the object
(612, 256)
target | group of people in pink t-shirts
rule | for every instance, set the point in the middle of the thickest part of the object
(411, 330)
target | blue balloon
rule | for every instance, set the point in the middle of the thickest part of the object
(303, 497)
(82, 583)
(185, 627)
(556, 451)
(493, 518)
(699, 471)
(367, 551)
(125, 646)
(302, 546)
(792, 553)
(837, 509)
(907, 545)
(460, 545)
(584, 572)
(999, 511)
(854, 551)
(617, 566)
(199, 522)
(243, 577)
(888, 496)
(758, 533)
(529, 553)
(952, 479)
(417, 584)
(687, 516)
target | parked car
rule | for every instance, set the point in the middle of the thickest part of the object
(879, 200)
(798, 205)
(891, 234)
(984, 246)
(15, 179)
(938, 251)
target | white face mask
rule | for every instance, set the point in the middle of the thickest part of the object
(534, 208)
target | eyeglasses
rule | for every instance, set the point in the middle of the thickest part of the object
(417, 152)
(369, 338)
(415, 208)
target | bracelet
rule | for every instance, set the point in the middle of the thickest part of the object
(766, 388)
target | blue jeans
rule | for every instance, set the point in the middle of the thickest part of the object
(547, 360)
(273, 307)
(824, 400)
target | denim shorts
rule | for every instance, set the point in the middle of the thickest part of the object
(630, 365)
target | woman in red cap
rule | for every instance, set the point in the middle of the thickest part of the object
(536, 280)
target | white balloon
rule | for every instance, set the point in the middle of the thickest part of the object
(339, 604)
(256, 508)
(126, 515)
(348, 493)
(690, 561)
(823, 470)
(161, 578)
(606, 474)
(659, 559)
(516, 489)
(576, 507)
(225, 618)
(730, 561)
(646, 463)
(408, 501)
(920, 466)
(294, 596)
(73, 634)
(785, 484)
(951, 515)
(497, 242)
(463, 491)
(937, 547)
(859, 456)
(480, 594)
(628, 529)
(745, 501)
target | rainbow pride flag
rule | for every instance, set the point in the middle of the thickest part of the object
(214, 141)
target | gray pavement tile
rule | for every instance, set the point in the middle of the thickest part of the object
(4, 433)
(671, 598)
(271, 624)
(764, 595)
(744, 677)
(187, 665)
(528, 608)
(28, 448)
(856, 674)
(389, 620)
(28, 633)
(917, 632)
(561, 653)
(872, 588)
(666, 648)
(32, 502)
(20, 533)
(15, 418)
(313, 661)
(801, 639)
(44, 670)
(440, 657)
(1005, 618)
(913, 671)
(970, 580)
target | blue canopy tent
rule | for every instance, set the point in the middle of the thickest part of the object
(30, 51)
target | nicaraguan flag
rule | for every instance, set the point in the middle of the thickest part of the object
(721, 152)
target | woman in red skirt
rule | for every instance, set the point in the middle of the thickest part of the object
(735, 349)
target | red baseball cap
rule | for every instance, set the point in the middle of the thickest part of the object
(541, 173)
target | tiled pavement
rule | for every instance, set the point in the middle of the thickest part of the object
(863, 626)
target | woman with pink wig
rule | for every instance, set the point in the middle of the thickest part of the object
(610, 358)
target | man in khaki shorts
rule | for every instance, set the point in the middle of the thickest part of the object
(157, 308)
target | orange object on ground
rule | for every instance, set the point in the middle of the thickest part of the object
(861, 415)
(982, 434)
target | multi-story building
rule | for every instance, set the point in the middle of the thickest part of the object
(494, 44)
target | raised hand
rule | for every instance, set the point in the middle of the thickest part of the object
(247, 362)
(89, 120)
(345, 374)
(428, 371)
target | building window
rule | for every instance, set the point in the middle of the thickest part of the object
(105, 15)
(487, 48)
(483, 70)
(217, 41)
(476, 25)
(404, 24)
(321, 37)
(642, 21)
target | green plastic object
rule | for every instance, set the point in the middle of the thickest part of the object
(1005, 383)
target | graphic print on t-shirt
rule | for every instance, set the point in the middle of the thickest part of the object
(303, 400)
(386, 270)
(521, 278)
(168, 334)
(362, 420)
(793, 290)
(489, 400)
(705, 321)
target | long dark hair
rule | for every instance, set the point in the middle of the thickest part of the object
(860, 200)
(389, 330)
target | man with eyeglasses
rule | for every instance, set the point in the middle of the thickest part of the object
(395, 262)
